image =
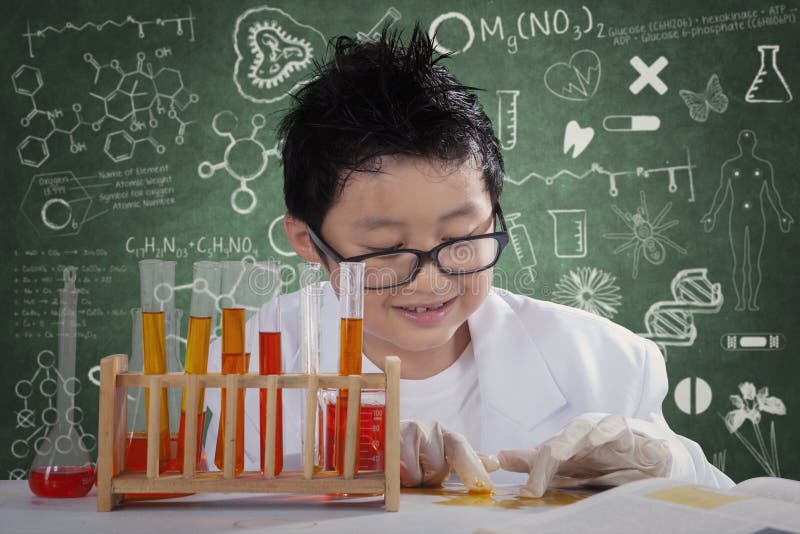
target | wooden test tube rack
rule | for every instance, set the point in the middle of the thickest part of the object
(113, 481)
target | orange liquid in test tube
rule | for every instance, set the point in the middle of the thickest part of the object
(155, 362)
(233, 364)
(270, 364)
(196, 363)
(349, 364)
(234, 361)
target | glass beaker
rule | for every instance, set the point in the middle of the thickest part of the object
(62, 466)
(202, 319)
(768, 85)
(371, 450)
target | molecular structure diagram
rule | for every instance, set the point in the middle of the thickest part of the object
(245, 159)
(254, 280)
(48, 385)
(136, 98)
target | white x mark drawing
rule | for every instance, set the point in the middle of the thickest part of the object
(648, 75)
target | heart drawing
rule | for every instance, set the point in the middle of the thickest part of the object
(577, 138)
(576, 80)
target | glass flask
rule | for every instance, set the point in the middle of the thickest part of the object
(768, 85)
(62, 466)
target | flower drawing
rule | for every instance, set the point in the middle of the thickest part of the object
(589, 289)
(748, 405)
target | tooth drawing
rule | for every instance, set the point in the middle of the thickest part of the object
(577, 138)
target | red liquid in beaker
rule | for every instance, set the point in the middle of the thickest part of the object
(372, 430)
(59, 482)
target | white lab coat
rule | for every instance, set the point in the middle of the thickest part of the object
(540, 365)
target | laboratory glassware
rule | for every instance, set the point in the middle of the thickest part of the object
(235, 359)
(202, 316)
(266, 282)
(371, 429)
(154, 350)
(62, 466)
(309, 320)
(351, 313)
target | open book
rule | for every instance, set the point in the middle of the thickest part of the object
(758, 505)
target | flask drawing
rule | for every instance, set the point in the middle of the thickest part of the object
(768, 85)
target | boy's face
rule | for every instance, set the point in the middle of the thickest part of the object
(413, 203)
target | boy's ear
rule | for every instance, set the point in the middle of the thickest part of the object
(299, 240)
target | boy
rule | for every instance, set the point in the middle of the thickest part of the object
(390, 161)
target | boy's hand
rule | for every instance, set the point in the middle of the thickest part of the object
(428, 451)
(589, 453)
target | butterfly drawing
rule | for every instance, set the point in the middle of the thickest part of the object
(699, 103)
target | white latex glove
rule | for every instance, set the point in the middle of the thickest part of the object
(428, 451)
(607, 453)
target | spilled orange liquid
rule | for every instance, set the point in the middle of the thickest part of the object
(504, 497)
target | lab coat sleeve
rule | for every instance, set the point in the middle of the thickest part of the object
(689, 463)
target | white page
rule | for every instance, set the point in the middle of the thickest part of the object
(628, 508)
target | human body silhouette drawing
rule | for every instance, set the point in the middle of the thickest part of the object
(747, 179)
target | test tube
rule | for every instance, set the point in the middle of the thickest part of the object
(309, 313)
(266, 281)
(202, 312)
(234, 358)
(351, 313)
(310, 305)
(233, 361)
(157, 280)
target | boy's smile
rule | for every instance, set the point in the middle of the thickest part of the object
(412, 203)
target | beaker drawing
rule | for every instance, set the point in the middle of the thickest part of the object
(62, 466)
(769, 85)
(569, 233)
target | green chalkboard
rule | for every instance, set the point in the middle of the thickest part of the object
(651, 154)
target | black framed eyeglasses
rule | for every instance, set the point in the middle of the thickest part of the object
(392, 268)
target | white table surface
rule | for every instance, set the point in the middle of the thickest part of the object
(23, 512)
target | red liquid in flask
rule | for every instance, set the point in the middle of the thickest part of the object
(59, 482)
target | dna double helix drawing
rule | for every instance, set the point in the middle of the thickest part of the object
(670, 323)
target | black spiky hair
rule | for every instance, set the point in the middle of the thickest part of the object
(377, 98)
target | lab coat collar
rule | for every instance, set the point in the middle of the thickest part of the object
(515, 382)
